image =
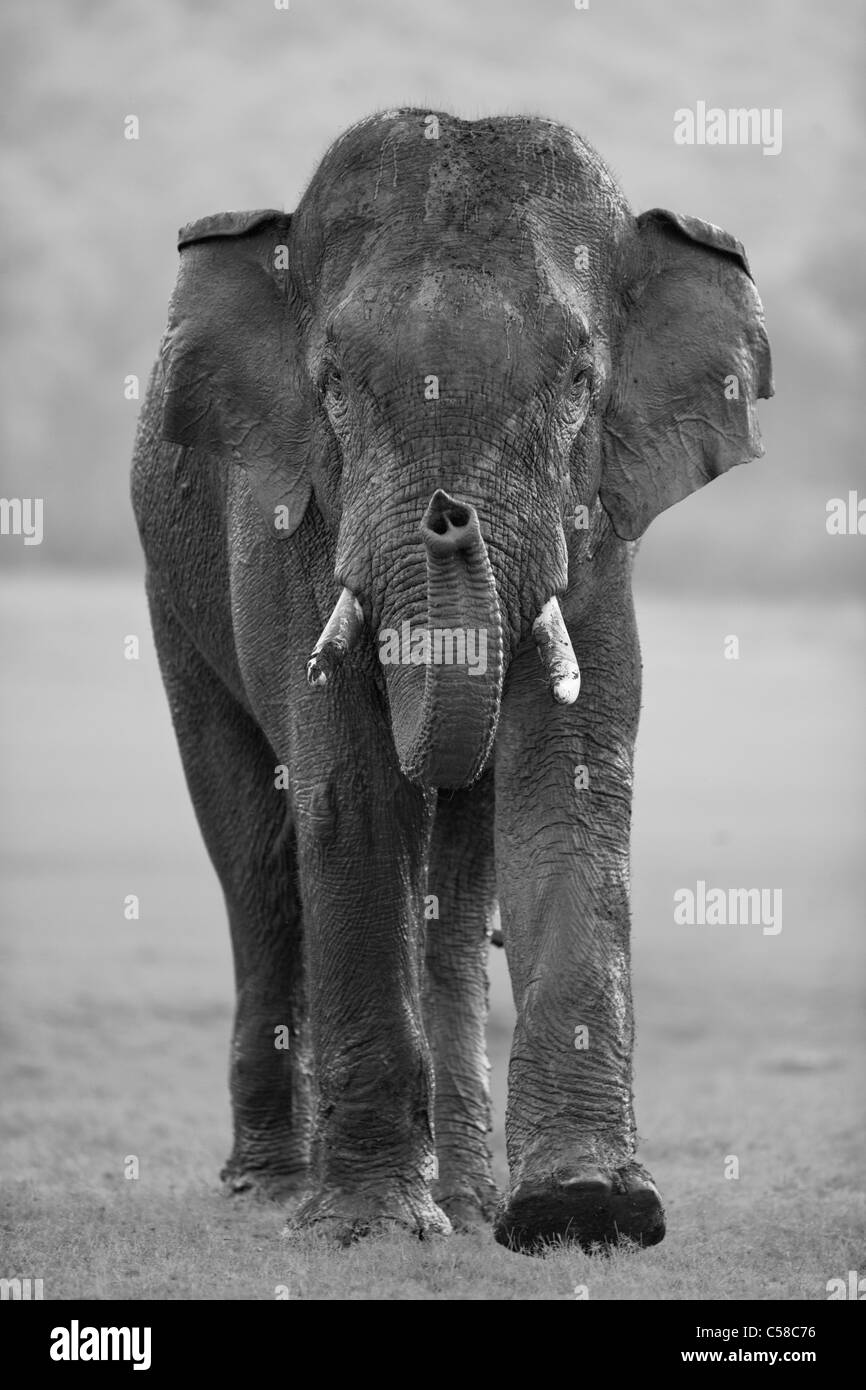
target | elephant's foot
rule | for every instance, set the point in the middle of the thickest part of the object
(266, 1184)
(583, 1204)
(470, 1204)
(344, 1217)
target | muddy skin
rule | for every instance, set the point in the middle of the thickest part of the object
(446, 395)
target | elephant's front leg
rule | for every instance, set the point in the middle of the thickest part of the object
(362, 841)
(564, 781)
(461, 895)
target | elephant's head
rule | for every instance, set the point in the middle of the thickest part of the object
(460, 337)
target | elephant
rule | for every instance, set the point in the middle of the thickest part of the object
(390, 473)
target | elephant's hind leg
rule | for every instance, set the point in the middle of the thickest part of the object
(245, 822)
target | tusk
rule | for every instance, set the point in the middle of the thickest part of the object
(557, 653)
(339, 637)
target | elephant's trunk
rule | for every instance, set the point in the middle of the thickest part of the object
(444, 677)
(444, 674)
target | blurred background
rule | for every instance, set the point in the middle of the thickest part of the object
(749, 771)
(237, 102)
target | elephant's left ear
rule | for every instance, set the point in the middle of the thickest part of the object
(694, 358)
(233, 385)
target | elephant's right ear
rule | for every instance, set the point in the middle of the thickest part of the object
(231, 358)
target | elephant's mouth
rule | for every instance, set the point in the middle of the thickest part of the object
(444, 672)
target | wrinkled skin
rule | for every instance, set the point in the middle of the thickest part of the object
(292, 445)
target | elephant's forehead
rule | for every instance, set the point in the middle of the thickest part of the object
(504, 153)
(497, 188)
(456, 308)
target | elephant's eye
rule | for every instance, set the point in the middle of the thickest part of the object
(581, 380)
(331, 385)
(577, 395)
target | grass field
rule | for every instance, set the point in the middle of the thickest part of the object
(115, 1032)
